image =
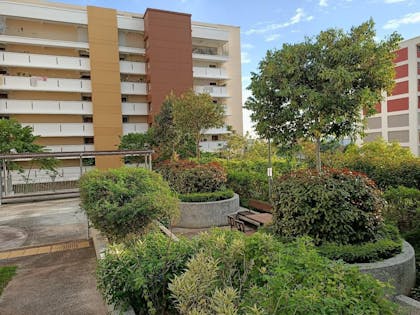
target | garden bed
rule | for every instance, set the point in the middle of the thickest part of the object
(206, 214)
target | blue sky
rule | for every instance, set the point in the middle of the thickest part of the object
(267, 24)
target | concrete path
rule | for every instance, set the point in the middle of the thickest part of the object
(39, 223)
(58, 283)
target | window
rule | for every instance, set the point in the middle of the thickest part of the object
(87, 98)
(85, 76)
(3, 71)
(87, 119)
(89, 140)
(4, 96)
(125, 119)
(213, 83)
(83, 53)
(124, 99)
(4, 117)
(215, 138)
(214, 101)
(212, 66)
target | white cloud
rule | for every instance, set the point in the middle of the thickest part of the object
(394, 1)
(299, 16)
(323, 3)
(411, 18)
(247, 46)
(245, 57)
(272, 37)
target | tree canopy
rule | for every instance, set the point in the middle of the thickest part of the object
(317, 89)
(193, 113)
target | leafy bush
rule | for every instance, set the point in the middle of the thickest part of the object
(248, 185)
(138, 273)
(403, 208)
(187, 177)
(123, 201)
(388, 164)
(333, 206)
(207, 196)
(235, 274)
(387, 244)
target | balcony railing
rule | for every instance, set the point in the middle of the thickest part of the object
(212, 146)
(44, 84)
(69, 148)
(135, 109)
(43, 61)
(216, 131)
(209, 73)
(45, 107)
(133, 88)
(131, 67)
(61, 129)
(135, 128)
(214, 91)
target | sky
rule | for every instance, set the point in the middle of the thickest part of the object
(267, 24)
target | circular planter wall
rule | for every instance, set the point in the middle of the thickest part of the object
(399, 270)
(206, 214)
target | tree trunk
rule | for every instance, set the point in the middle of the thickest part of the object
(197, 146)
(318, 154)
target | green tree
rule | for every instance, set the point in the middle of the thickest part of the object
(136, 141)
(193, 113)
(317, 89)
(15, 138)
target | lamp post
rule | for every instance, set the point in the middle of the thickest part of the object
(269, 171)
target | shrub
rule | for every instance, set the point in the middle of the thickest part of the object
(403, 208)
(248, 185)
(235, 274)
(137, 274)
(207, 196)
(187, 177)
(333, 206)
(387, 245)
(123, 201)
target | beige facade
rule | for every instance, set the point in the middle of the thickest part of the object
(82, 77)
(397, 117)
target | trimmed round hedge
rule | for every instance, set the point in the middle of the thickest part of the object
(124, 201)
(336, 206)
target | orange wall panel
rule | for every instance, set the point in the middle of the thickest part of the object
(106, 86)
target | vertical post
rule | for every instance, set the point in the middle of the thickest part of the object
(81, 164)
(269, 171)
(1, 186)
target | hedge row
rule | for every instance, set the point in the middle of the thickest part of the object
(207, 196)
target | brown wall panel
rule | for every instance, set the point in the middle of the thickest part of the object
(402, 54)
(400, 88)
(398, 104)
(106, 86)
(169, 54)
(401, 71)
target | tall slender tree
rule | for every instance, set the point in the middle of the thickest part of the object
(317, 89)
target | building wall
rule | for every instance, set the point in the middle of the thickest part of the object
(399, 114)
(70, 101)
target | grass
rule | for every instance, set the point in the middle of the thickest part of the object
(6, 274)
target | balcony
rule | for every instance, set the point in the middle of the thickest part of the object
(135, 128)
(214, 91)
(44, 84)
(135, 109)
(216, 131)
(206, 32)
(45, 107)
(69, 148)
(133, 88)
(13, 59)
(131, 67)
(61, 129)
(209, 73)
(212, 146)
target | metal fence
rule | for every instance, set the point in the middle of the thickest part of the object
(38, 182)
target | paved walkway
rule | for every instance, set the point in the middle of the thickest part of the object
(58, 283)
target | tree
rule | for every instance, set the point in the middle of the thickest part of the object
(14, 138)
(317, 89)
(136, 141)
(167, 137)
(194, 113)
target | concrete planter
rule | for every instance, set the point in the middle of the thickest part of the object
(198, 215)
(399, 270)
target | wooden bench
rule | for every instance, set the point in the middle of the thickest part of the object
(261, 206)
